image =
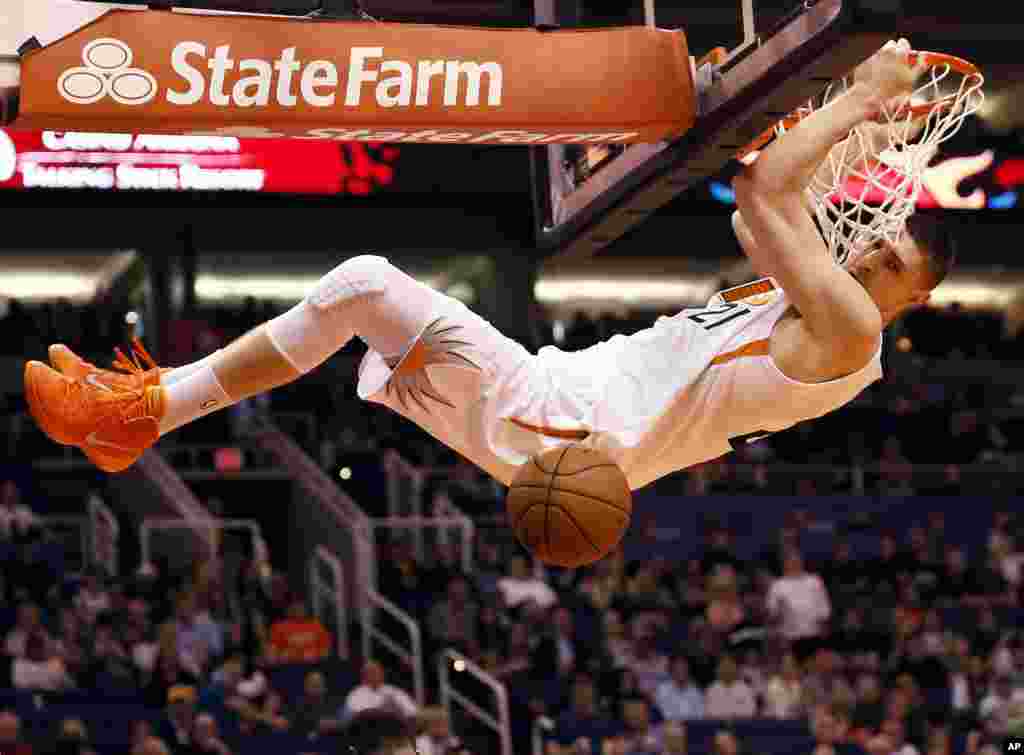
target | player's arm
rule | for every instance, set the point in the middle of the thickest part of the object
(780, 238)
(836, 310)
(788, 165)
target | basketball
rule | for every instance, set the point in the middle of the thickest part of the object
(570, 506)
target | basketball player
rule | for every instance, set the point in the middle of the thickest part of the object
(757, 359)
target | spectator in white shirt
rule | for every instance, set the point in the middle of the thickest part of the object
(39, 669)
(729, 696)
(374, 694)
(799, 602)
(520, 587)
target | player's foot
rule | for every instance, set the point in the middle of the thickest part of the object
(135, 373)
(112, 424)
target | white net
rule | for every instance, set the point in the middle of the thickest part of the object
(874, 177)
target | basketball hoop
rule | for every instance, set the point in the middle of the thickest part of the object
(888, 161)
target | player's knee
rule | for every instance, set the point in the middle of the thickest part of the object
(362, 275)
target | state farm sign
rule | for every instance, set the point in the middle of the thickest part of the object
(171, 72)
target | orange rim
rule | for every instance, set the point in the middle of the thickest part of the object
(931, 59)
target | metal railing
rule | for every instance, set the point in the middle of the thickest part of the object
(104, 534)
(499, 722)
(542, 726)
(412, 656)
(211, 531)
(406, 484)
(322, 592)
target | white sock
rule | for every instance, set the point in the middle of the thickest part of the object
(192, 397)
(180, 373)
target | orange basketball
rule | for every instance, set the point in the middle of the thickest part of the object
(570, 506)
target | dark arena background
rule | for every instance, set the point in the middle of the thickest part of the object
(851, 585)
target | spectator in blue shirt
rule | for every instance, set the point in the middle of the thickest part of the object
(679, 699)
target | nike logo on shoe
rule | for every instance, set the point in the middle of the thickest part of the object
(92, 440)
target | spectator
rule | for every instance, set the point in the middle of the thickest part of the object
(17, 521)
(648, 664)
(725, 743)
(895, 732)
(679, 699)
(314, 714)
(298, 638)
(720, 551)
(435, 734)
(583, 721)
(453, 621)
(221, 694)
(563, 651)
(110, 667)
(730, 696)
(640, 735)
(141, 730)
(491, 627)
(262, 710)
(205, 737)
(373, 694)
(11, 742)
(825, 683)
(167, 676)
(67, 644)
(783, 697)
(151, 746)
(39, 669)
(830, 725)
(379, 732)
(724, 610)
(209, 630)
(193, 653)
(488, 568)
(176, 727)
(91, 600)
(674, 736)
(869, 710)
(26, 623)
(72, 739)
(444, 569)
(800, 603)
(520, 587)
(994, 709)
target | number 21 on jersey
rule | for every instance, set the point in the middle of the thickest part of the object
(712, 317)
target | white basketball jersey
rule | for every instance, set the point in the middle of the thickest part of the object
(696, 385)
(684, 391)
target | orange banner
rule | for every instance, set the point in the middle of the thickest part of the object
(179, 73)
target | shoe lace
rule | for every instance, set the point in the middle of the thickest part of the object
(140, 362)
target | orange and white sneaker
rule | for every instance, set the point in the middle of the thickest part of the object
(138, 372)
(112, 423)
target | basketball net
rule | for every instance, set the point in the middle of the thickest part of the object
(864, 169)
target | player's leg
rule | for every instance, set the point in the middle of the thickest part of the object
(364, 296)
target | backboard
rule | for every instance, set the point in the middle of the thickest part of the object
(776, 58)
